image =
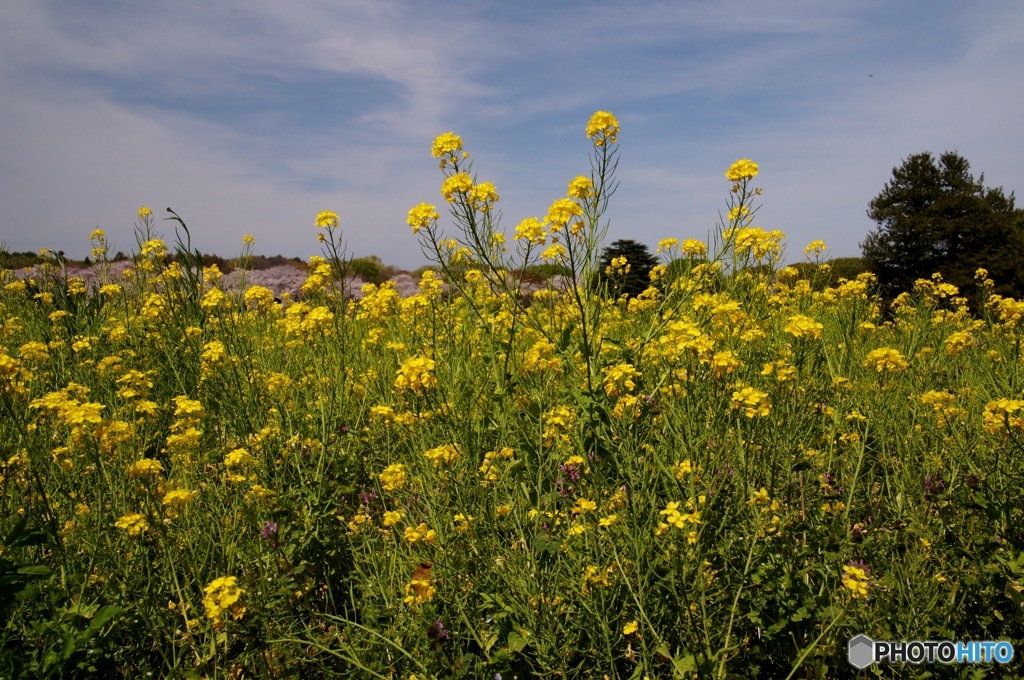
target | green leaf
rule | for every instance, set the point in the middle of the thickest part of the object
(102, 617)
(516, 642)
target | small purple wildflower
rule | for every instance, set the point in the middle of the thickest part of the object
(860, 564)
(572, 470)
(438, 631)
(933, 485)
(828, 480)
(270, 533)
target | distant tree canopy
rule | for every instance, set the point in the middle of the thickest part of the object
(639, 261)
(935, 217)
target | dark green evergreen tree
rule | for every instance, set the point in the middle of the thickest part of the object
(640, 262)
(935, 217)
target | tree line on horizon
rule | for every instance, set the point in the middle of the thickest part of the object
(933, 216)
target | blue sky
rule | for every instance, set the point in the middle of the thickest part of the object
(251, 117)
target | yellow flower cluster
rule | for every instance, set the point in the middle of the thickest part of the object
(723, 363)
(221, 598)
(393, 477)
(73, 412)
(582, 187)
(675, 518)
(855, 580)
(482, 196)
(694, 248)
(584, 505)
(755, 241)
(618, 266)
(816, 247)
(238, 458)
(459, 183)
(619, 379)
(540, 358)
(998, 415)
(416, 374)
(420, 533)
(446, 144)
(259, 298)
(958, 342)
(597, 576)
(177, 499)
(422, 215)
(804, 327)
(133, 523)
(489, 468)
(603, 128)
(742, 169)
(326, 220)
(443, 455)
(531, 229)
(561, 211)
(554, 253)
(752, 401)
(145, 467)
(885, 359)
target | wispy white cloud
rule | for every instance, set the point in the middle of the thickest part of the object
(253, 116)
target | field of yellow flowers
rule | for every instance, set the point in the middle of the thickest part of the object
(728, 475)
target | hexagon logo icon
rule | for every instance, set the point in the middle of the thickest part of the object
(860, 651)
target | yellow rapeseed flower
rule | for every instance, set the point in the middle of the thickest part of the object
(603, 128)
(531, 229)
(753, 402)
(561, 211)
(133, 523)
(742, 169)
(885, 359)
(393, 477)
(178, 497)
(221, 597)
(694, 248)
(856, 580)
(584, 505)
(419, 533)
(554, 253)
(238, 458)
(416, 374)
(446, 144)
(443, 455)
(326, 219)
(804, 327)
(145, 466)
(460, 183)
(582, 187)
(421, 216)
(482, 195)
(667, 244)
(816, 247)
(619, 379)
